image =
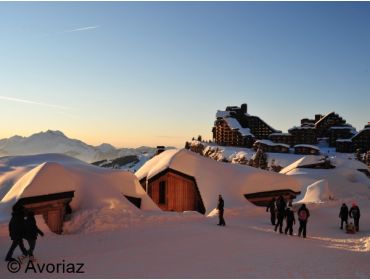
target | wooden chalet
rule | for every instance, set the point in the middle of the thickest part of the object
(271, 147)
(361, 140)
(53, 207)
(175, 191)
(303, 149)
(344, 146)
(340, 132)
(285, 138)
(303, 135)
(264, 198)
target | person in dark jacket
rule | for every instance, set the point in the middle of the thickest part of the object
(303, 215)
(271, 206)
(16, 232)
(280, 207)
(290, 220)
(220, 207)
(354, 213)
(31, 232)
(343, 215)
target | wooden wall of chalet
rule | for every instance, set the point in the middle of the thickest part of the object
(264, 198)
(306, 151)
(181, 194)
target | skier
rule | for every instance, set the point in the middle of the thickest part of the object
(303, 215)
(343, 215)
(290, 220)
(31, 232)
(220, 207)
(16, 232)
(280, 205)
(354, 213)
(271, 206)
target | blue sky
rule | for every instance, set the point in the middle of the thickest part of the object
(146, 73)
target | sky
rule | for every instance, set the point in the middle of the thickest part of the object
(155, 73)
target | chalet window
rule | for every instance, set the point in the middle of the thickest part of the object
(162, 192)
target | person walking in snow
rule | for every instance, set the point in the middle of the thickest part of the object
(280, 207)
(354, 213)
(272, 207)
(220, 207)
(290, 220)
(16, 232)
(343, 215)
(31, 232)
(303, 215)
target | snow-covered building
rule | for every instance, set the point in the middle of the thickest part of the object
(54, 188)
(180, 180)
(271, 147)
(304, 149)
(235, 127)
(360, 141)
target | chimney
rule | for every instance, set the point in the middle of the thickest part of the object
(244, 107)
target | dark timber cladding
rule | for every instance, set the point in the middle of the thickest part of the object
(52, 207)
(264, 198)
(172, 190)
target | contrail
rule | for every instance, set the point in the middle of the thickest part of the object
(82, 29)
(33, 102)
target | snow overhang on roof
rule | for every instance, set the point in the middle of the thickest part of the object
(213, 177)
(307, 146)
(222, 114)
(270, 143)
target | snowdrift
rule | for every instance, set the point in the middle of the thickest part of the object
(97, 190)
(213, 178)
(317, 192)
(344, 181)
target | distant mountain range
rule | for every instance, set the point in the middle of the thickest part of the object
(56, 142)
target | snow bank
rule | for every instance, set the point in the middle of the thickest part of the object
(317, 192)
(213, 178)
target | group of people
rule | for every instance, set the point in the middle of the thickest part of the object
(353, 212)
(279, 211)
(23, 226)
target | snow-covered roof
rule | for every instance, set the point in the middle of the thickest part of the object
(235, 125)
(95, 188)
(307, 146)
(270, 143)
(281, 134)
(213, 178)
(306, 160)
(360, 132)
(302, 127)
(342, 127)
(222, 114)
(343, 140)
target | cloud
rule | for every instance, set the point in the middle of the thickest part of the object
(12, 99)
(82, 29)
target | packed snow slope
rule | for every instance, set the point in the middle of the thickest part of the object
(172, 245)
(213, 177)
(99, 192)
(125, 242)
(56, 142)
